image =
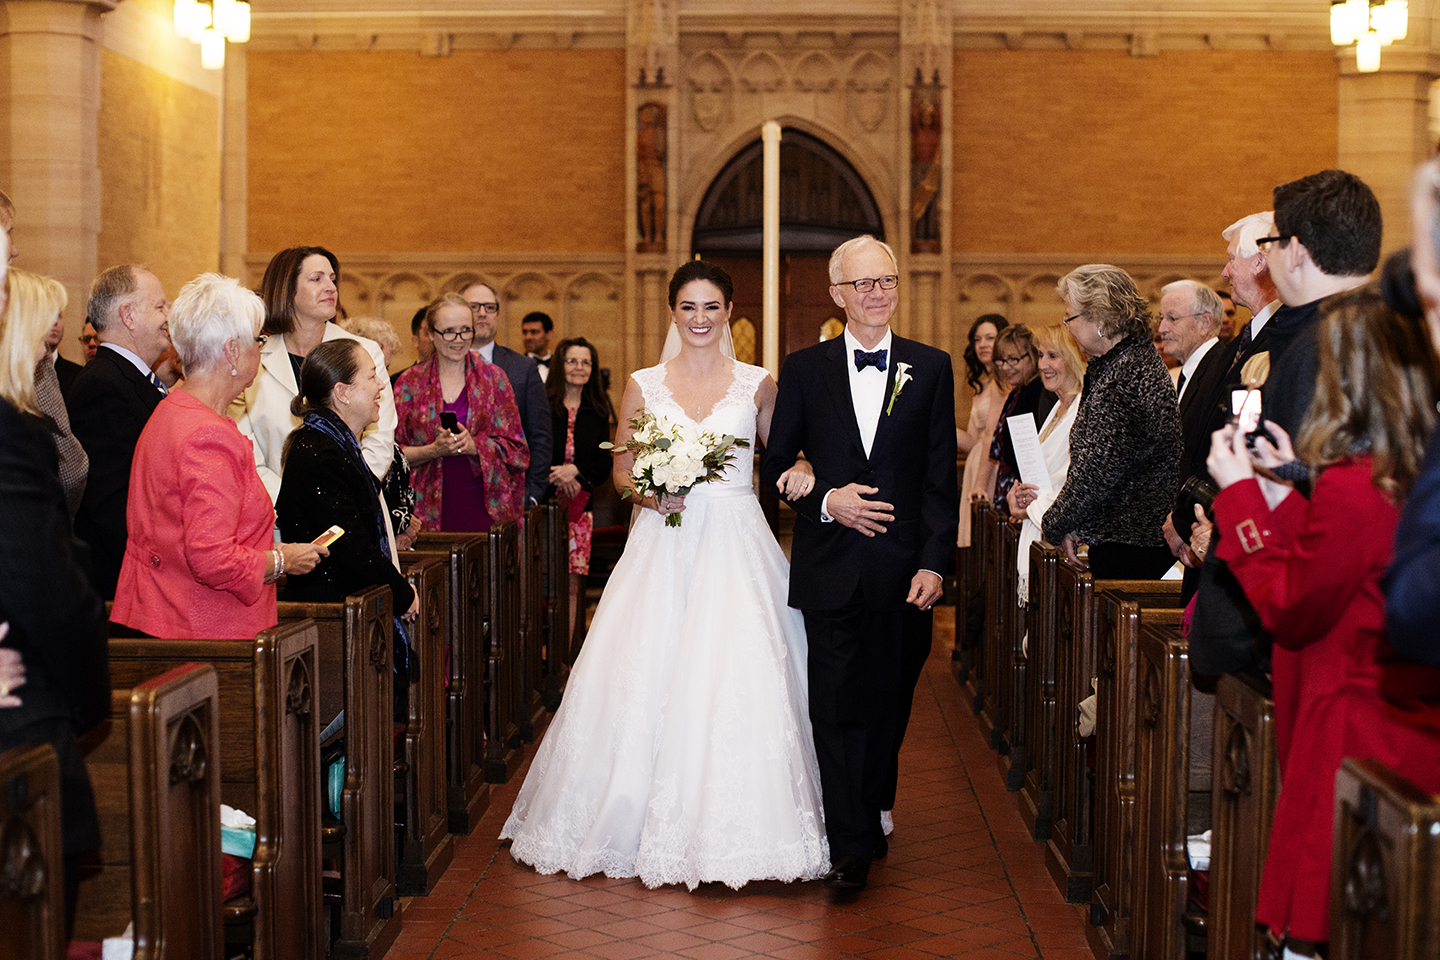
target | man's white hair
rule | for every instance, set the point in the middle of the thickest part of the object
(1249, 229)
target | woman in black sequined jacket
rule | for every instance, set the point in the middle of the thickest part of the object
(1125, 445)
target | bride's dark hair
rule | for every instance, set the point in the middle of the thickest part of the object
(700, 270)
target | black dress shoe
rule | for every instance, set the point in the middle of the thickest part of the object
(848, 873)
(882, 847)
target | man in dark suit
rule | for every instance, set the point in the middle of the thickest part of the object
(875, 416)
(524, 379)
(110, 403)
(65, 370)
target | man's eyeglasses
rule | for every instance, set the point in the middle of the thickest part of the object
(459, 333)
(866, 284)
(484, 307)
(91, 340)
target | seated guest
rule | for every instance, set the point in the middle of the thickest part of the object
(48, 296)
(1015, 363)
(110, 403)
(580, 411)
(1062, 371)
(300, 294)
(473, 476)
(1313, 569)
(327, 482)
(201, 561)
(56, 621)
(1125, 443)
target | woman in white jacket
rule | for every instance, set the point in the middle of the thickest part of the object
(1062, 370)
(300, 290)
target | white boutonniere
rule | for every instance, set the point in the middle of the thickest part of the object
(902, 377)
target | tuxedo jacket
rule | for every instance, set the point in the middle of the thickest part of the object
(912, 462)
(109, 405)
(534, 416)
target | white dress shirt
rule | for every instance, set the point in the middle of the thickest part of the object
(487, 352)
(867, 395)
(132, 357)
(1257, 322)
(1187, 369)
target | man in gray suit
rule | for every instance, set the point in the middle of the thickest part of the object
(524, 379)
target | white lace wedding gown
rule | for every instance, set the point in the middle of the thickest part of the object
(682, 750)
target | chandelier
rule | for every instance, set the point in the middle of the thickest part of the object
(1370, 25)
(210, 23)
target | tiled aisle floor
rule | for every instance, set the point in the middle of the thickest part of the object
(963, 879)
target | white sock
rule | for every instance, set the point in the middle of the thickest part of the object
(887, 822)
(1292, 955)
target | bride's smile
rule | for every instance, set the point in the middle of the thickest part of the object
(700, 311)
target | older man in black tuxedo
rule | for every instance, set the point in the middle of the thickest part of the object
(110, 403)
(875, 416)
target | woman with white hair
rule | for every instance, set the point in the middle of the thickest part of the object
(199, 561)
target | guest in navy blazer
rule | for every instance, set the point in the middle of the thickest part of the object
(524, 379)
(110, 403)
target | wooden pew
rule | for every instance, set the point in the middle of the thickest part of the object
(1037, 791)
(468, 795)
(992, 704)
(1244, 784)
(1011, 683)
(1173, 741)
(1385, 876)
(155, 767)
(530, 557)
(355, 657)
(505, 662)
(555, 577)
(974, 655)
(270, 768)
(32, 894)
(1121, 605)
(426, 847)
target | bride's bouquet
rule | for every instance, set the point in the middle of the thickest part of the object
(672, 458)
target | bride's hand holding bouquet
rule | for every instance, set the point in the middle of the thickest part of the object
(671, 458)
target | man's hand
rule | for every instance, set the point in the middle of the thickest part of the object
(925, 589)
(848, 505)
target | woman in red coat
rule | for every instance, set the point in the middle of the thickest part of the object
(200, 557)
(1312, 568)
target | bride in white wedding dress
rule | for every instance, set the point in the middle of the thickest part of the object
(682, 750)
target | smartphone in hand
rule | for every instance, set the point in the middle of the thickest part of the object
(329, 536)
(449, 421)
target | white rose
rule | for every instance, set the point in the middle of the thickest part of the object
(662, 475)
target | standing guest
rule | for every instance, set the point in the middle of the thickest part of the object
(89, 340)
(65, 370)
(473, 476)
(201, 561)
(990, 390)
(399, 495)
(300, 293)
(110, 404)
(1313, 568)
(1062, 370)
(1227, 325)
(47, 296)
(580, 411)
(1015, 361)
(535, 332)
(56, 621)
(420, 337)
(1125, 443)
(525, 381)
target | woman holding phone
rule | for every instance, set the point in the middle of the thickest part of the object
(460, 430)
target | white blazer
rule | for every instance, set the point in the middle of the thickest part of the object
(262, 412)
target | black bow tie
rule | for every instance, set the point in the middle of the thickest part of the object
(876, 359)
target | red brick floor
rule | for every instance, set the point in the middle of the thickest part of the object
(963, 879)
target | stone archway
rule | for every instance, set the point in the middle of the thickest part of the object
(823, 202)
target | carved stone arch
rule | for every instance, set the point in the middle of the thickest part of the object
(529, 285)
(985, 288)
(399, 295)
(816, 73)
(575, 289)
(870, 166)
(357, 291)
(593, 309)
(1040, 288)
(761, 72)
(870, 90)
(459, 281)
(1150, 287)
(711, 87)
(1039, 304)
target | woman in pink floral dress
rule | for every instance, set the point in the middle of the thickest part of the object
(580, 411)
(472, 477)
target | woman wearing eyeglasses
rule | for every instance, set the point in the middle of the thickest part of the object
(300, 293)
(472, 476)
(1017, 364)
(1125, 444)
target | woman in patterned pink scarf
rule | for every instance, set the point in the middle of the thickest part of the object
(472, 477)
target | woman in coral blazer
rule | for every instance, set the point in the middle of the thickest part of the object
(199, 560)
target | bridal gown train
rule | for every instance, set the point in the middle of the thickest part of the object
(682, 750)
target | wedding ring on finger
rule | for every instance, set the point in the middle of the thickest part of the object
(4, 689)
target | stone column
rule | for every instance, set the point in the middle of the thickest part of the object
(234, 175)
(926, 68)
(1384, 128)
(50, 97)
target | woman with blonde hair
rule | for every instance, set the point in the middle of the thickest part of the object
(1062, 371)
(56, 619)
(1313, 569)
